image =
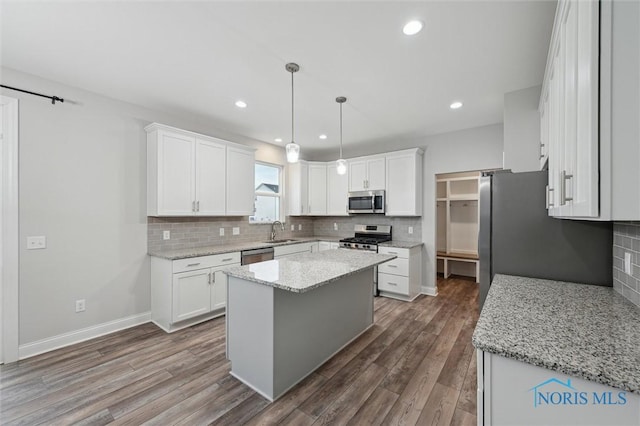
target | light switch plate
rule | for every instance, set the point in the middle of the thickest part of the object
(293, 227)
(222, 232)
(627, 263)
(236, 230)
(300, 227)
(36, 243)
(166, 235)
(335, 226)
(410, 230)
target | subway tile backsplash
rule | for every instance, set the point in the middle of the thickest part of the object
(205, 231)
(626, 239)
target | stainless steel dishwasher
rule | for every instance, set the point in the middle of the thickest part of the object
(248, 257)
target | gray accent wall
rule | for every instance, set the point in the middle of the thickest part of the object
(626, 239)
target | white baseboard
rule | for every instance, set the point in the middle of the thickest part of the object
(66, 339)
(430, 291)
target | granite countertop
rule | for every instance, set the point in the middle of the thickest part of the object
(185, 253)
(306, 271)
(401, 244)
(584, 331)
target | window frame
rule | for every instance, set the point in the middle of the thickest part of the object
(279, 195)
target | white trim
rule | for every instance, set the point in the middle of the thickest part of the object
(10, 238)
(430, 291)
(73, 337)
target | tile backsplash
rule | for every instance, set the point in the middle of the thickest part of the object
(205, 231)
(626, 239)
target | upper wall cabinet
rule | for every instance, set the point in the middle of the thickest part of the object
(337, 191)
(589, 111)
(298, 188)
(404, 183)
(196, 175)
(317, 189)
(367, 173)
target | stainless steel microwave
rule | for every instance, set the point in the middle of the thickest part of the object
(366, 202)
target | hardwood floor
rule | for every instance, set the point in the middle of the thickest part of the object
(416, 365)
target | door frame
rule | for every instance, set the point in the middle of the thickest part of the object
(9, 281)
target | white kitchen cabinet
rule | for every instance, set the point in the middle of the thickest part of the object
(404, 183)
(317, 189)
(293, 249)
(240, 182)
(188, 291)
(327, 245)
(298, 188)
(189, 174)
(589, 109)
(337, 191)
(367, 173)
(401, 278)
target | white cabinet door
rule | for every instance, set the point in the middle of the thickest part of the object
(357, 175)
(218, 288)
(210, 178)
(404, 184)
(176, 174)
(298, 188)
(317, 189)
(191, 294)
(324, 245)
(337, 191)
(240, 182)
(376, 172)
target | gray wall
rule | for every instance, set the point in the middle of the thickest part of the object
(82, 185)
(626, 239)
(522, 130)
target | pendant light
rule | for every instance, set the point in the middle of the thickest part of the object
(341, 164)
(293, 149)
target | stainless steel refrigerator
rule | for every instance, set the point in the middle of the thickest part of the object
(517, 237)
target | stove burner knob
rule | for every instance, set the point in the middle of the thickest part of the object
(367, 246)
(356, 246)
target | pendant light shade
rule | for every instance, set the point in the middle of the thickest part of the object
(341, 164)
(292, 148)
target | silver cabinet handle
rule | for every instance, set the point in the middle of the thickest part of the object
(209, 278)
(228, 259)
(213, 275)
(390, 283)
(563, 188)
(392, 252)
(197, 206)
(541, 150)
(549, 197)
(193, 264)
(193, 206)
(392, 266)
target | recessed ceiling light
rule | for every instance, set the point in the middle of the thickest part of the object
(455, 105)
(278, 139)
(241, 104)
(322, 136)
(412, 27)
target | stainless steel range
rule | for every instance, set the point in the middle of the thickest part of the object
(367, 237)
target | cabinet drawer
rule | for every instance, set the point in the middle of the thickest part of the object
(200, 262)
(393, 283)
(400, 252)
(396, 267)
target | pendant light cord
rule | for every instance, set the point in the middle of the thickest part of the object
(292, 109)
(341, 130)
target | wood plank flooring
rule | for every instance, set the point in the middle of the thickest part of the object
(416, 365)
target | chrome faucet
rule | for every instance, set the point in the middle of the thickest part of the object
(273, 229)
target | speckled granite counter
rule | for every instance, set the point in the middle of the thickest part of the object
(401, 244)
(579, 330)
(229, 248)
(304, 272)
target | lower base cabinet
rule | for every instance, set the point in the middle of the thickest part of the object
(401, 277)
(188, 291)
(292, 249)
(512, 392)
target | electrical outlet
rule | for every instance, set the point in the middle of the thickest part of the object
(293, 227)
(299, 227)
(80, 305)
(36, 243)
(236, 230)
(166, 235)
(627, 263)
(335, 226)
(410, 230)
(222, 232)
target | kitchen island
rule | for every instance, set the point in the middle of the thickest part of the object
(557, 353)
(286, 317)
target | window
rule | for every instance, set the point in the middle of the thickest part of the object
(268, 198)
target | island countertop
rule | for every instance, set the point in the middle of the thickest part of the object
(306, 271)
(584, 331)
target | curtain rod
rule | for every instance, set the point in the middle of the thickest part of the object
(54, 99)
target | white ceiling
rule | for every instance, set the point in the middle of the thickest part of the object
(200, 57)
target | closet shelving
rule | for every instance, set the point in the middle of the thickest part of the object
(457, 223)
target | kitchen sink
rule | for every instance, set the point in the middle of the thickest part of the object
(279, 241)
